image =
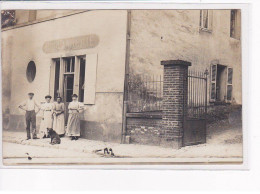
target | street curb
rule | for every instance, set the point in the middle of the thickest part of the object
(58, 146)
(31, 143)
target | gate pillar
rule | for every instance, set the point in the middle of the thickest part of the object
(175, 92)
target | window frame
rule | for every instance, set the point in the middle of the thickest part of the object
(209, 20)
(90, 71)
(214, 82)
(235, 28)
(31, 71)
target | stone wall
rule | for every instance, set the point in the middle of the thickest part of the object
(158, 35)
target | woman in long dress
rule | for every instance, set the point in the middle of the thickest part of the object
(58, 117)
(47, 118)
(73, 125)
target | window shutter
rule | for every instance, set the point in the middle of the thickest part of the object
(213, 82)
(52, 78)
(229, 83)
(205, 18)
(210, 19)
(76, 76)
(61, 81)
(90, 79)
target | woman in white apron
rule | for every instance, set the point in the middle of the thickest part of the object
(58, 117)
(47, 118)
(73, 125)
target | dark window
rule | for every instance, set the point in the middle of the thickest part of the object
(69, 64)
(31, 71)
(7, 18)
(232, 23)
(235, 24)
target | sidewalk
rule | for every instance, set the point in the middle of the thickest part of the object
(221, 143)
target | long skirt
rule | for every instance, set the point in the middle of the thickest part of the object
(73, 126)
(46, 123)
(59, 124)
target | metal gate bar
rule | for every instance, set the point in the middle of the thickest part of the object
(195, 122)
(197, 94)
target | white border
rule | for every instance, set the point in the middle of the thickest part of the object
(164, 5)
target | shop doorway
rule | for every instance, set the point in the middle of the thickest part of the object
(68, 83)
(69, 78)
(68, 91)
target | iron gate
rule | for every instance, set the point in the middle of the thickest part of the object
(195, 122)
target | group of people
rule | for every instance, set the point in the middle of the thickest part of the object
(52, 117)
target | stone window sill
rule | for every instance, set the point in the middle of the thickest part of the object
(205, 30)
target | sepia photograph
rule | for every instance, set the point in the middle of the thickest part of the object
(121, 87)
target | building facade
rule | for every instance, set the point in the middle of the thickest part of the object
(91, 53)
(79, 52)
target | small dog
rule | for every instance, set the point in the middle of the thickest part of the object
(107, 151)
(55, 138)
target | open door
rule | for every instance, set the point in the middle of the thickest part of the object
(68, 82)
(68, 91)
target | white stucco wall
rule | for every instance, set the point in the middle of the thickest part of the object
(158, 35)
(26, 44)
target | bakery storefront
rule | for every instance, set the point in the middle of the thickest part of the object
(80, 53)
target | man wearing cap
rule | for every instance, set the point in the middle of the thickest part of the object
(29, 106)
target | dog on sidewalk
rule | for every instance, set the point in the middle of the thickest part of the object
(106, 151)
(55, 138)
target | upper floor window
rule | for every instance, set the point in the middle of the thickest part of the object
(235, 24)
(206, 20)
(7, 18)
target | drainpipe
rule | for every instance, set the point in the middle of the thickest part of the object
(125, 97)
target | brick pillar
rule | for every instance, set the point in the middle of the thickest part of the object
(175, 91)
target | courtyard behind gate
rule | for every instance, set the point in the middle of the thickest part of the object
(168, 110)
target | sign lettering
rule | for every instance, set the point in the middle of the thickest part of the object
(69, 44)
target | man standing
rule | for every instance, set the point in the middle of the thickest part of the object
(30, 116)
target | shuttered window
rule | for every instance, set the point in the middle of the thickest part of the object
(229, 83)
(90, 79)
(80, 73)
(213, 82)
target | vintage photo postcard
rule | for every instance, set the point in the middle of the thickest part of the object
(126, 86)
